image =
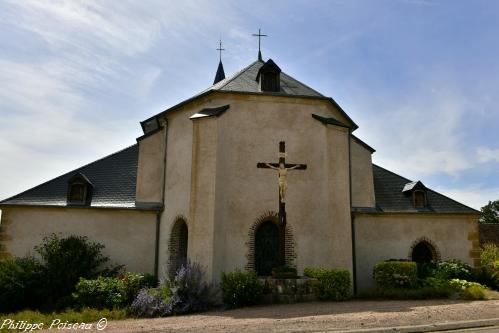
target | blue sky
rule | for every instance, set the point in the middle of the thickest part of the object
(420, 77)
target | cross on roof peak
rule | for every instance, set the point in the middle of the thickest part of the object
(259, 35)
(220, 49)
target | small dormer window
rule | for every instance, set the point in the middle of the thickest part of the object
(416, 192)
(79, 190)
(419, 198)
(77, 193)
(269, 77)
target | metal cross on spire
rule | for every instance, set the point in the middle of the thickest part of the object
(220, 49)
(259, 35)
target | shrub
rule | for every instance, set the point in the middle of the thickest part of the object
(20, 284)
(103, 292)
(468, 290)
(241, 289)
(134, 282)
(189, 290)
(473, 292)
(110, 292)
(460, 285)
(186, 293)
(396, 274)
(489, 254)
(454, 269)
(489, 270)
(331, 284)
(426, 269)
(66, 260)
(433, 282)
(150, 303)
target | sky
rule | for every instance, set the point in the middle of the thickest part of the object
(419, 77)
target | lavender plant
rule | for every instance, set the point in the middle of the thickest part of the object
(150, 303)
(187, 292)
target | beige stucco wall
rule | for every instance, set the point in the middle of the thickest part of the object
(212, 180)
(362, 176)
(129, 236)
(391, 236)
(150, 169)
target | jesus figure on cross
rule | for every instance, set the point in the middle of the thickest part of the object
(283, 177)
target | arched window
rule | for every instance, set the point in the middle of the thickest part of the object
(178, 246)
(267, 238)
(423, 252)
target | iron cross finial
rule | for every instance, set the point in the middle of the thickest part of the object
(259, 35)
(220, 49)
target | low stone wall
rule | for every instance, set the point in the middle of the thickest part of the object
(287, 290)
(489, 233)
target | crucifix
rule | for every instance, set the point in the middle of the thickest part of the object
(220, 50)
(282, 168)
(259, 35)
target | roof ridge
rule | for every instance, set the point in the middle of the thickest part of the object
(65, 174)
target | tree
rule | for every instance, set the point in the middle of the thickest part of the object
(490, 212)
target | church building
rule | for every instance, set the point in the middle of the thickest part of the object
(257, 171)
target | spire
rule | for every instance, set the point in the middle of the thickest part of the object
(259, 35)
(220, 70)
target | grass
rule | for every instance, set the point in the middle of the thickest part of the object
(86, 316)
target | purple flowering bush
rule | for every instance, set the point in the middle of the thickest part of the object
(187, 292)
(150, 303)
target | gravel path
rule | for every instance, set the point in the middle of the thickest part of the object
(313, 317)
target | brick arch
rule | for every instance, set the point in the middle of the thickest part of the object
(290, 253)
(178, 244)
(431, 244)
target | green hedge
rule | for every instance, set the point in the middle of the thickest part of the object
(331, 284)
(109, 292)
(241, 289)
(396, 274)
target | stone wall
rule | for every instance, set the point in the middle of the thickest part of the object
(489, 233)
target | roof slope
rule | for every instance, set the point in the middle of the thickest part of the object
(390, 198)
(245, 81)
(113, 177)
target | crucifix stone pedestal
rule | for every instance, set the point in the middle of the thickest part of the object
(282, 167)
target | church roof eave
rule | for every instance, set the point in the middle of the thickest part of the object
(353, 125)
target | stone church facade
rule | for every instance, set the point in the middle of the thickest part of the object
(190, 188)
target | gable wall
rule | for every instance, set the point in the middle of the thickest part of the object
(212, 180)
(318, 198)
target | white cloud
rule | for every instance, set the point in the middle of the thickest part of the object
(485, 155)
(475, 197)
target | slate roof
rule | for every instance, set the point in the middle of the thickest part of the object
(390, 198)
(113, 178)
(245, 81)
